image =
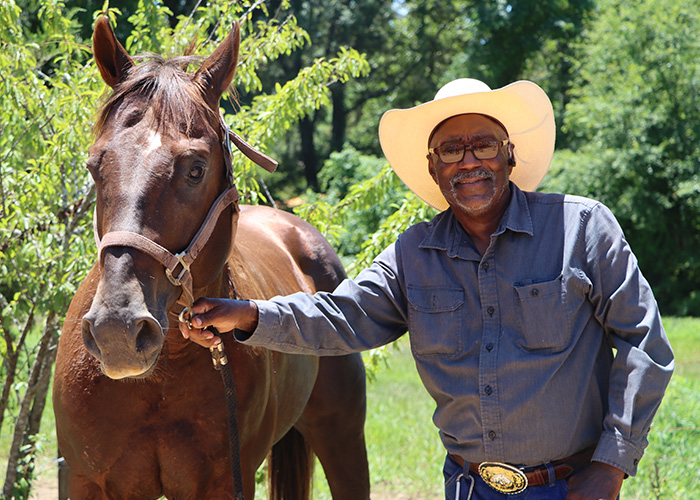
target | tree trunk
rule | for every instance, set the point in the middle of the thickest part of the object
(309, 157)
(339, 118)
(38, 373)
(28, 448)
(12, 358)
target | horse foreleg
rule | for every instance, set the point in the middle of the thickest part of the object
(333, 424)
(81, 488)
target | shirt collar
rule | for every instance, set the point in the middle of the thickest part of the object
(448, 235)
(517, 216)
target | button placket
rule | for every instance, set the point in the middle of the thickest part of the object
(488, 397)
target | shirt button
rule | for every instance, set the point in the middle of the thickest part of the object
(492, 435)
(488, 390)
(489, 347)
(534, 292)
(490, 310)
(485, 266)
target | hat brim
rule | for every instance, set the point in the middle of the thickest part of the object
(522, 107)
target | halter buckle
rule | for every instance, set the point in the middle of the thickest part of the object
(177, 281)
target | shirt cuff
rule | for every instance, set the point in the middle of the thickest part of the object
(619, 452)
(266, 322)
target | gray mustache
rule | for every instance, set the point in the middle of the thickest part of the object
(474, 174)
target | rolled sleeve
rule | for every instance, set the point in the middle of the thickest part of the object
(619, 452)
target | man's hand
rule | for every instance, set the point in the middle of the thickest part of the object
(598, 481)
(222, 314)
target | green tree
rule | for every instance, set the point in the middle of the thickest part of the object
(634, 123)
(49, 91)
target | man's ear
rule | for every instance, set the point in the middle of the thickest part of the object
(511, 156)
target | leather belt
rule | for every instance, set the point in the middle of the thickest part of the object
(534, 476)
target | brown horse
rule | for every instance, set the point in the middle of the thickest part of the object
(140, 412)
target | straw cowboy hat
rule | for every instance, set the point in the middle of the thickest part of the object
(521, 107)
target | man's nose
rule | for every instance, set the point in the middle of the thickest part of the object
(469, 160)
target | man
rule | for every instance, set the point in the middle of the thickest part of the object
(514, 302)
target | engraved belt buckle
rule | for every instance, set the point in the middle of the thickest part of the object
(503, 477)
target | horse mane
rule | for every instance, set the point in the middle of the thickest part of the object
(170, 90)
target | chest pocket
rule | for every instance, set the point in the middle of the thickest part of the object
(544, 315)
(435, 320)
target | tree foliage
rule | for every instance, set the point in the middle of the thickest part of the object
(634, 124)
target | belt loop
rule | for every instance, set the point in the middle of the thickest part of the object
(552, 475)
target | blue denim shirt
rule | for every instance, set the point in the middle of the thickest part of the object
(515, 346)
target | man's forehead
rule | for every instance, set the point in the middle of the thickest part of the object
(472, 124)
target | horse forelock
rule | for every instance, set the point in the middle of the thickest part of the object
(173, 95)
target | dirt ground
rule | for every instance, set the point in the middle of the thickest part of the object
(46, 488)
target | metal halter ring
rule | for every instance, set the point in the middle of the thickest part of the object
(185, 318)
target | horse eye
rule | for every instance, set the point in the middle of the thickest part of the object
(197, 172)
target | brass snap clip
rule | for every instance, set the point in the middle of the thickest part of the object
(185, 318)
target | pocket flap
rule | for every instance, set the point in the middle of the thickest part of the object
(426, 299)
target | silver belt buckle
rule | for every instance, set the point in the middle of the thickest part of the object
(503, 478)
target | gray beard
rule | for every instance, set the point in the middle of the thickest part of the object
(476, 174)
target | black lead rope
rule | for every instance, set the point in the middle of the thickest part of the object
(218, 357)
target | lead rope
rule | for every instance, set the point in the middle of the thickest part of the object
(220, 361)
(218, 357)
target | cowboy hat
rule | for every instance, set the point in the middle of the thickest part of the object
(521, 107)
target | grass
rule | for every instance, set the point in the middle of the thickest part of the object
(406, 455)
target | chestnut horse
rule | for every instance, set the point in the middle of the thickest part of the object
(140, 411)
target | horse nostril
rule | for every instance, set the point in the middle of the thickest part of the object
(149, 336)
(89, 338)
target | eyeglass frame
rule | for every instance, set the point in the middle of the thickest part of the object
(469, 146)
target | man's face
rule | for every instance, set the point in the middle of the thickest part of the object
(473, 187)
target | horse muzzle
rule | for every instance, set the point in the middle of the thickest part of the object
(127, 344)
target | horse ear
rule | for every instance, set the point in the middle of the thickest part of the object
(217, 72)
(112, 59)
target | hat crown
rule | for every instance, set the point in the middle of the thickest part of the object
(461, 86)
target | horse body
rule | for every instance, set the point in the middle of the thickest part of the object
(140, 411)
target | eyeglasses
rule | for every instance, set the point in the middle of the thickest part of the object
(454, 151)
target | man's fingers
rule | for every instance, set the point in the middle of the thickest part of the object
(205, 338)
(184, 329)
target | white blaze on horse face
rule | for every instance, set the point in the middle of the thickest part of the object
(153, 142)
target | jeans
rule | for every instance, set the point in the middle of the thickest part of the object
(472, 483)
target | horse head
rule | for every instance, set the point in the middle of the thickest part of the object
(158, 165)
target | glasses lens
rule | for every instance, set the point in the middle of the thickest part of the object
(482, 150)
(451, 153)
(485, 150)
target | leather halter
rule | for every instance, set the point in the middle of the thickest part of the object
(184, 259)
